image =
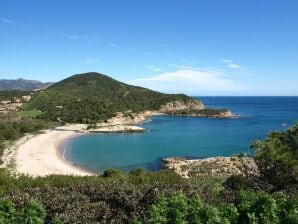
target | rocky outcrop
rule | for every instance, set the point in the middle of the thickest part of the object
(128, 118)
(213, 113)
(181, 105)
(214, 166)
(117, 129)
(121, 123)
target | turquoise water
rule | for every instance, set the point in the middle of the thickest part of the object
(186, 136)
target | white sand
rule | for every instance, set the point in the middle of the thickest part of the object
(40, 156)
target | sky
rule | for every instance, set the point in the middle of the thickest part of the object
(212, 48)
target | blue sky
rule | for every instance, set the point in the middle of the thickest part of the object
(213, 47)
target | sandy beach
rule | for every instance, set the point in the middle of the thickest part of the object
(38, 155)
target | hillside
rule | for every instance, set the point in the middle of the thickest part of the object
(22, 84)
(91, 97)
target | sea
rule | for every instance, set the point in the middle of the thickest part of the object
(189, 137)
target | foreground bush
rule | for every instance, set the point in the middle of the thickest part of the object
(277, 158)
(249, 207)
(31, 213)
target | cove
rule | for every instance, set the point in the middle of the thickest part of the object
(189, 137)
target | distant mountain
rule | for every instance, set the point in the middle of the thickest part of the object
(22, 84)
(90, 97)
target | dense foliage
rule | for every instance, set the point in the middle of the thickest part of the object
(32, 212)
(249, 207)
(91, 97)
(277, 158)
(13, 126)
(12, 94)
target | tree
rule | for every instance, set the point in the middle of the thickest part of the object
(277, 157)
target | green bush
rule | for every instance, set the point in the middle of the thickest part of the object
(31, 213)
(249, 207)
(277, 158)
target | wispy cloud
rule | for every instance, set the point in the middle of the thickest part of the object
(153, 68)
(113, 44)
(87, 38)
(91, 60)
(8, 21)
(234, 66)
(71, 36)
(230, 64)
(193, 82)
(11, 22)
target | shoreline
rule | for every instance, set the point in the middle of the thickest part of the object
(60, 155)
(40, 155)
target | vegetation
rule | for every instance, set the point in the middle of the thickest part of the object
(208, 112)
(90, 97)
(11, 95)
(154, 197)
(30, 113)
(249, 207)
(31, 213)
(277, 158)
(14, 126)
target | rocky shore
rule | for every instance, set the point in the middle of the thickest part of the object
(117, 129)
(214, 166)
(122, 122)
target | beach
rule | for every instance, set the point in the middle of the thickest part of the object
(39, 155)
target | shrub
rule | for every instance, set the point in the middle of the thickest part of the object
(32, 213)
(277, 158)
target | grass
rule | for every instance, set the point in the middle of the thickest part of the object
(30, 113)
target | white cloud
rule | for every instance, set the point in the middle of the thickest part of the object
(230, 64)
(91, 60)
(153, 68)
(192, 82)
(235, 66)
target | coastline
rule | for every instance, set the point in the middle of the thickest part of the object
(39, 155)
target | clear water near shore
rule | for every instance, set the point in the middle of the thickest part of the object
(185, 136)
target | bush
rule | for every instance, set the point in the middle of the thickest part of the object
(277, 158)
(32, 213)
(249, 207)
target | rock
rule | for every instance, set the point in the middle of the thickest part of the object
(180, 105)
(118, 129)
(213, 166)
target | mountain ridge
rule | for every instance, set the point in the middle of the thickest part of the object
(22, 84)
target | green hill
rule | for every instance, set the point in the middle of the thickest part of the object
(90, 97)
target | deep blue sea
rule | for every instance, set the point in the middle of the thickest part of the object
(190, 137)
